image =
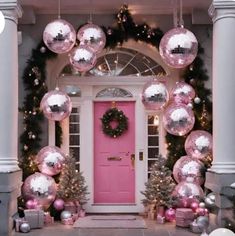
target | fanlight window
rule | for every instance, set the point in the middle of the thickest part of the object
(120, 62)
(113, 93)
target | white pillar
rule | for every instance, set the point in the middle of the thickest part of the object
(9, 87)
(223, 16)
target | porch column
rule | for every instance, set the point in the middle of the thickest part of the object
(222, 173)
(10, 174)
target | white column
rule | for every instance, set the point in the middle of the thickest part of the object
(9, 87)
(223, 16)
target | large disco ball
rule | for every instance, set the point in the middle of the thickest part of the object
(182, 93)
(154, 95)
(198, 144)
(178, 119)
(59, 36)
(178, 47)
(41, 188)
(56, 105)
(93, 36)
(189, 169)
(50, 160)
(82, 58)
(187, 189)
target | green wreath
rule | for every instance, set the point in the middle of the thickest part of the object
(113, 114)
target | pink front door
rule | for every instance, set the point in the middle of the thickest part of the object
(114, 172)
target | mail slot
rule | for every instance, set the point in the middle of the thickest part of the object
(114, 158)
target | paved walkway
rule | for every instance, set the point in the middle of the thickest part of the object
(153, 229)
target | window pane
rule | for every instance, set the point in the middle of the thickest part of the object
(77, 166)
(153, 141)
(150, 163)
(74, 128)
(153, 152)
(76, 153)
(74, 118)
(75, 110)
(150, 119)
(152, 130)
(74, 139)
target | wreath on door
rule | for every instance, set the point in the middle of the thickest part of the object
(114, 114)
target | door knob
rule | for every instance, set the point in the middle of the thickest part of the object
(133, 160)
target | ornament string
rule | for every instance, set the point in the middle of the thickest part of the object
(59, 10)
(181, 21)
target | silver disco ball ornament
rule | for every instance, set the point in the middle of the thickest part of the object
(65, 215)
(178, 47)
(24, 227)
(59, 36)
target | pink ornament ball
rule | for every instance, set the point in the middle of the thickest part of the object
(40, 187)
(189, 169)
(194, 206)
(188, 190)
(82, 58)
(59, 204)
(170, 214)
(56, 105)
(59, 36)
(178, 119)
(182, 93)
(178, 47)
(92, 36)
(155, 95)
(50, 160)
(31, 204)
(198, 144)
(201, 211)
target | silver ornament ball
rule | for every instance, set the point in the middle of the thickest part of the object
(65, 215)
(25, 227)
(203, 222)
(202, 205)
(42, 49)
(197, 100)
(210, 200)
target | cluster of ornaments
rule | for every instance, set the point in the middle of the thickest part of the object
(60, 37)
(39, 189)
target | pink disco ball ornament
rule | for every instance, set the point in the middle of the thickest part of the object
(198, 144)
(155, 95)
(182, 93)
(56, 105)
(178, 119)
(170, 214)
(188, 190)
(41, 188)
(59, 36)
(194, 206)
(31, 204)
(50, 160)
(59, 204)
(82, 58)
(92, 36)
(189, 169)
(178, 47)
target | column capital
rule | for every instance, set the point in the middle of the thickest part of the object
(11, 9)
(221, 9)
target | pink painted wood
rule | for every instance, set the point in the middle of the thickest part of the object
(114, 180)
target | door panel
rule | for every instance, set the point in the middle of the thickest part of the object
(114, 173)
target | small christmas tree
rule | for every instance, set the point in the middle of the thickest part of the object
(160, 185)
(72, 185)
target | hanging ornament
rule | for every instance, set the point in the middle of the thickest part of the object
(82, 58)
(56, 105)
(154, 95)
(59, 36)
(41, 188)
(188, 190)
(178, 47)
(197, 100)
(198, 144)
(42, 49)
(178, 119)
(50, 160)
(92, 36)
(59, 204)
(182, 93)
(189, 169)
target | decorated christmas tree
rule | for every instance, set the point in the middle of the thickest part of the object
(72, 186)
(160, 185)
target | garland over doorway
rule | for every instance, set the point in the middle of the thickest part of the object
(34, 79)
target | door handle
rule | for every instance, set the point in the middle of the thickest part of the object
(133, 161)
(114, 158)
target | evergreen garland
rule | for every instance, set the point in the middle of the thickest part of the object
(113, 114)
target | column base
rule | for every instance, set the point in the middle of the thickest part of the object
(223, 167)
(8, 165)
(10, 189)
(222, 185)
